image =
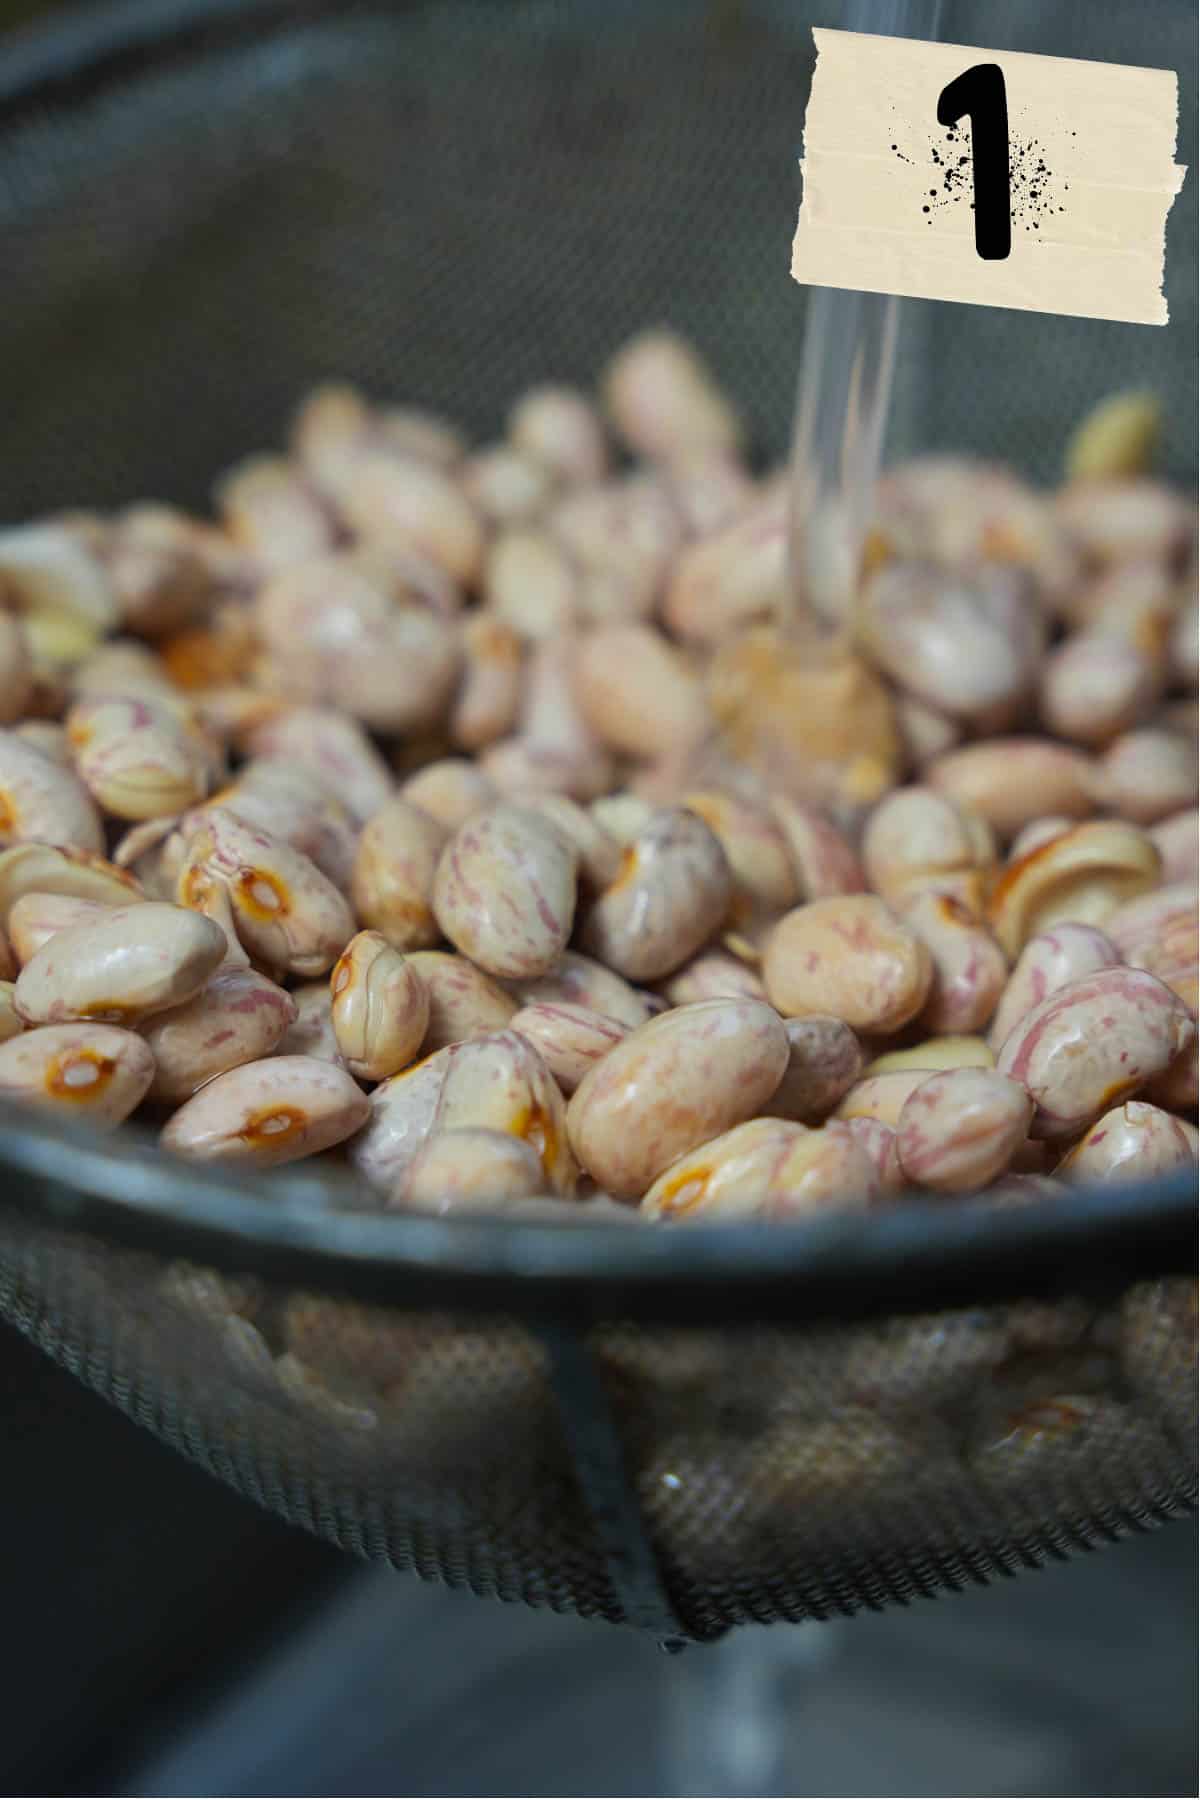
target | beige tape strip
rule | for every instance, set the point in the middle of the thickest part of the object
(1105, 133)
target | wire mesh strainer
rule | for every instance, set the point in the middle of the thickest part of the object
(206, 208)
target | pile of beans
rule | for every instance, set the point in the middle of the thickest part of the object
(384, 819)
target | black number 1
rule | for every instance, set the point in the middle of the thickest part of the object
(979, 93)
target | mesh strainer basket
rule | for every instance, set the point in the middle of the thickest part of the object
(204, 209)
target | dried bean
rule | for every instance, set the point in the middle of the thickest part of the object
(268, 1113)
(673, 1084)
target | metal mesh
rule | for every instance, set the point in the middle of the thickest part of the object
(446, 203)
(779, 1474)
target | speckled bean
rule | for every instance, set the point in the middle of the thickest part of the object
(407, 503)
(968, 646)
(731, 579)
(34, 918)
(622, 538)
(1147, 775)
(311, 1033)
(824, 862)
(560, 428)
(394, 870)
(504, 892)
(766, 1169)
(599, 855)
(1048, 962)
(336, 750)
(1093, 1044)
(504, 485)
(238, 1017)
(825, 1060)
(917, 840)
(267, 1113)
(672, 894)
(451, 790)
(1037, 833)
(11, 1022)
(59, 869)
(757, 851)
(271, 510)
(664, 401)
(882, 1096)
(1009, 781)
(380, 1007)
(1081, 877)
(463, 1001)
(489, 696)
(935, 1053)
(637, 692)
(713, 975)
(1134, 1142)
(850, 957)
(289, 801)
(577, 980)
(497, 1083)
(128, 963)
(41, 801)
(1095, 686)
(1177, 841)
(1124, 520)
(673, 1084)
(711, 488)
(878, 1142)
(470, 1171)
(287, 913)
(1159, 932)
(969, 967)
(530, 583)
(340, 631)
(569, 1039)
(97, 1073)
(961, 1128)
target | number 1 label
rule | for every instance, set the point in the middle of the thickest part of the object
(979, 94)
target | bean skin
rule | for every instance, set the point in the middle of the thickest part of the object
(1094, 1043)
(850, 957)
(267, 1113)
(673, 892)
(130, 962)
(237, 1017)
(97, 1073)
(569, 1039)
(674, 1083)
(394, 870)
(463, 1001)
(1050, 960)
(380, 1007)
(1134, 1142)
(825, 1060)
(504, 892)
(961, 1128)
(766, 1169)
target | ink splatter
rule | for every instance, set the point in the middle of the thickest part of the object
(1036, 194)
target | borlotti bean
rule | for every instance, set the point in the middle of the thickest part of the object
(569, 1039)
(505, 889)
(671, 1085)
(851, 957)
(268, 1112)
(961, 1128)
(1134, 1142)
(461, 803)
(768, 1168)
(1095, 1042)
(394, 869)
(494, 1083)
(379, 1007)
(672, 893)
(237, 1017)
(122, 965)
(97, 1073)
(1048, 962)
